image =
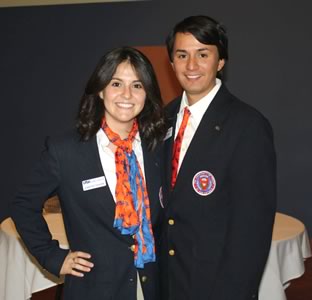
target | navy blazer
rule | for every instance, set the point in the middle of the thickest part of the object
(216, 240)
(88, 219)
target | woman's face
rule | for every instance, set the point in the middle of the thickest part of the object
(123, 98)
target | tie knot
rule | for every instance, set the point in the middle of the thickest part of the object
(186, 115)
(186, 112)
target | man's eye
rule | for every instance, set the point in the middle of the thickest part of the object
(181, 56)
(203, 55)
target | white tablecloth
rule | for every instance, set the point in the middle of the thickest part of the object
(290, 247)
(20, 274)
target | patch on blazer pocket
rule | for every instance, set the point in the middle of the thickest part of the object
(204, 183)
(93, 183)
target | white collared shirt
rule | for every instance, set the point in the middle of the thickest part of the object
(197, 110)
(107, 157)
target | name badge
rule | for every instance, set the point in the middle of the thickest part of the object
(94, 183)
(168, 134)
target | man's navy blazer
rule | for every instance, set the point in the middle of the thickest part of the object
(88, 218)
(215, 245)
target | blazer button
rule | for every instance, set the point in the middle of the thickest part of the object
(171, 222)
(144, 278)
(171, 252)
(132, 248)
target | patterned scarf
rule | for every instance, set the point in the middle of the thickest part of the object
(132, 213)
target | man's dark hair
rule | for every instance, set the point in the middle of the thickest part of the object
(205, 29)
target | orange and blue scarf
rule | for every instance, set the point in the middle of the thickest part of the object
(132, 212)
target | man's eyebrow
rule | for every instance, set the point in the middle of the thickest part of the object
(185, 51)
(181, 50)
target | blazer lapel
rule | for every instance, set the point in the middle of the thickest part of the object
(168, 144)
(91, 164)
(208, 130)
(152, 177)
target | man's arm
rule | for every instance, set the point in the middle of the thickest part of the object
(252, 197)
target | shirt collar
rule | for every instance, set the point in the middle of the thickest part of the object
(199, 108)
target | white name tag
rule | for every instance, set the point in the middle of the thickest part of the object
(168, 134)
(94, 183)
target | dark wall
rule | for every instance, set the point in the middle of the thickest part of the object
(47, 54)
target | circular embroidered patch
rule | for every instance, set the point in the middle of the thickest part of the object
(204, 183)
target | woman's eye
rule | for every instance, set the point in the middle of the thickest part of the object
(138, 86)
(115, 84)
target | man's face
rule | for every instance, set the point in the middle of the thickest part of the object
(196, 66)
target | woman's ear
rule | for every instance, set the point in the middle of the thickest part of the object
(101, 95)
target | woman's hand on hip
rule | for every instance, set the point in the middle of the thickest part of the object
(76, 263)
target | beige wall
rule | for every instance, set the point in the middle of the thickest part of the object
(10, 3)
(168, 83)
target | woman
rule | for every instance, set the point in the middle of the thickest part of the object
(106, 175)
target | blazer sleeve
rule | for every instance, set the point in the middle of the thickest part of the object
(26, 211)
(252, 194)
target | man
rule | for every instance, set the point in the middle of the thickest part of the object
(220, 166)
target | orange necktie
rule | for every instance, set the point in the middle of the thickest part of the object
(177, 147)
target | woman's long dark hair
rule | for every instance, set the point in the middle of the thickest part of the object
(91, 111)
